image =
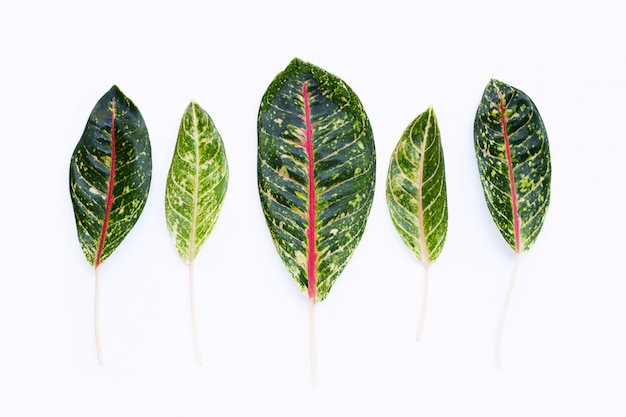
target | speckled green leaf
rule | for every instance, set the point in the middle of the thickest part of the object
(416, 188)
(513, 156)
(316, 166)
(196, 183)
(110, 174)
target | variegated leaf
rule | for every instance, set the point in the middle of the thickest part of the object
(416, 188)
(110, 174)
(196, 183)
(316, 166)
(513, 156)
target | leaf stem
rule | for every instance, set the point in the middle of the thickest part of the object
(97, 318)
(194, 321)
(313, 342)
(504, 310)
(422, 320)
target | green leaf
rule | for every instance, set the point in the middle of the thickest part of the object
(316, 167)
(195, 190)
(110, 174)
(196, 183)
(416, 194)
(513, 157)
(416, 188)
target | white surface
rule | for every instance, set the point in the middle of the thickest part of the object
(564, 343)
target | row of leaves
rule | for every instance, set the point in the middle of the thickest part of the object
(316, 174)
(110, 176)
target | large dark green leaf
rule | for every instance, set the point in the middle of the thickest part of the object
(416, 193)
(110, 175)
(513, 156)
(316, 166)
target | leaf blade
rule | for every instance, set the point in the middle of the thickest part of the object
(316, 163)
(196, 183)
(512, 151)
(416, 188)
(110, 174)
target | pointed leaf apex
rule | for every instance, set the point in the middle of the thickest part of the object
(115, 90)
(297, 64)
(497, 83)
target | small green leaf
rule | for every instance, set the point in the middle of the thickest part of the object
(316, 166)
(513, 157)
(511, 145)
(194, 192)
(196, 183)
(416, 193)
(416, 188)
(110, 174)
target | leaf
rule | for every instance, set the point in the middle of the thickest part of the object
(196, 182)
(316, 167)
(110, 174)
(195, 190)
(511, 145)
(416, 188)
(416, 193)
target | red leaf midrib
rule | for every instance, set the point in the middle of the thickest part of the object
(109, 201)
(509, 160)
(311, 207)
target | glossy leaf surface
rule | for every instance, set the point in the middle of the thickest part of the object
(196, 182)
(513, 156)
(416, 188)
(316, 167)
(110, 174)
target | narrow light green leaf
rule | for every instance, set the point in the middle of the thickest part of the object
(416, 188)
(513, 157)
(316, 166)
(194, 192)
(416, 194)
(196, 183)
(110, 174)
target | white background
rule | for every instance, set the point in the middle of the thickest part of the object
(564, 343)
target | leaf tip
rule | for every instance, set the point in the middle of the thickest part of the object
(193, 104)
(115, 89)
(296, 63)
